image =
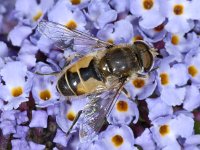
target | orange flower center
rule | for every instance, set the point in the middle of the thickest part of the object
(75, 2)
(71, 115)
(122, 106)
(164, 78)
(164, 130)
(138, 83)
(71, 25)
(117, 140)
(45, 95)
(37, 16)
(175, 40)
(192, 70)
(178, 9)
(148, 4)
(17, 91)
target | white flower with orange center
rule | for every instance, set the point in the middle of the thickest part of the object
(171, 79)
(180, 14)
(178, 44)
(142, 87)
(71, 19)
(30, 11)
(192, 61)
(166, 130)
(68, 111)
(17, 83)
(123, 111)
(44, 89)
(117, 137)
(149, 11)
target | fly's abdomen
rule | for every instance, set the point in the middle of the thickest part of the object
(81, 78)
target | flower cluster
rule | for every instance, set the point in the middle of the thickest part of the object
(160, 110)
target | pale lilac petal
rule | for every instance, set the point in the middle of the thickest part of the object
(17, 38)
(39, 119)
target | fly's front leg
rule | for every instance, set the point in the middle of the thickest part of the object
(74, 122)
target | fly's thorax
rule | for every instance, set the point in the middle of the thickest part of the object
(119, 61)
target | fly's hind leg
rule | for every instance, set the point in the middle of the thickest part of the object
(74, 122)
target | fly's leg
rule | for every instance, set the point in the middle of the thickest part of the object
(74, 122)
(48, 74)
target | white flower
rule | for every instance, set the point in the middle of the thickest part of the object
(149, 12)
(117, 137)
(71, 19)
(123, 111)
(29, 11)
(67, 113)
(192, 61)
(18, 83)
(166, 130)
(178, 44)
(170, 81)
(179, 14)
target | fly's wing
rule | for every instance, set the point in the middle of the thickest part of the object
(64, 37)
(95, 112)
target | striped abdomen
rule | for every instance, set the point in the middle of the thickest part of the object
(81, 78)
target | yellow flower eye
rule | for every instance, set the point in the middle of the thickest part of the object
(45, 95)
(17, 91)
(148, 4)
(192, 70)
(175, 40)
(75, 2)
(164, 78)
(71, 115)
(164, 130)
(178, 9)
(117, 140)
(37, 16)
(71, 25)
(122, 106)
(138, 83)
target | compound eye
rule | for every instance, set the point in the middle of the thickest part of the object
(145, 54)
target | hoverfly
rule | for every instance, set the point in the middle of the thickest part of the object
(99, 74)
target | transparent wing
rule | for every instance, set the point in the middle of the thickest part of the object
(95, 112)
(64, 38)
